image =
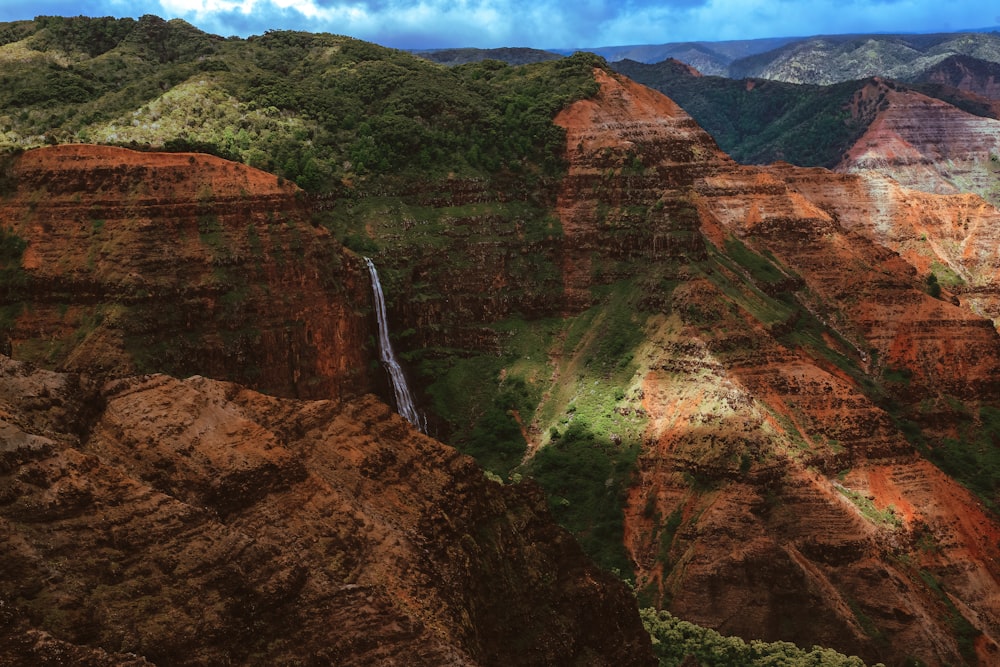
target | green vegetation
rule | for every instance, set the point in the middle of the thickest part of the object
(677, 642)
(13, 279)
(586, 477)
(770, 293)
(495, 439)
(964, 632)
(592, 430)
(568, 384)
(886, 518)
(974, 458)
(320, 109)
(933, 288)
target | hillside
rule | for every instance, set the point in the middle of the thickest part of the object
(322, 110)
(766, 396)
(832, 59)
(511, 56)
(931, 136)
(976, 76)
(821, 59)
(159, 521)
(759, 121)
(925, 143)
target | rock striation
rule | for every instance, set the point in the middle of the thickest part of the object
(925, 143)
(181, 263)
(796, 374)
(151, 520)
(777, 495)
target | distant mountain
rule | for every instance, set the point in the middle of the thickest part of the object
(819, 59)
(707, 57)
(511, 56)
(966, 73)
(831, 59)
(822, 59)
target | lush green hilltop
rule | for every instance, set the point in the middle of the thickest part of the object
(315, 108)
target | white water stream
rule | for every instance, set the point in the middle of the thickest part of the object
(404, 399)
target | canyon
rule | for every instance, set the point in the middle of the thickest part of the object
(739, 387)
(196, 521)
(761, 429)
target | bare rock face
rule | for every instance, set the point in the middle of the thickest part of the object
(160, 521)
(953, 237)
(778, 496)
(925, 144)
(181, 263)
(632, 154)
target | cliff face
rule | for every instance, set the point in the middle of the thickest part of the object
(776, 495)
(198, 522)
(180, 263)
(925, 144)
(980, 77)
(632, 156)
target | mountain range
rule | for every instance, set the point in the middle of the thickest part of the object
(821, 59)
(758, 397)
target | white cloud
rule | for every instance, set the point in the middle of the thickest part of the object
(538, 23)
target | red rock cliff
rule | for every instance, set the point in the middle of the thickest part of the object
(776, 497)
(925, 143)
(198, 522)
(182, 263)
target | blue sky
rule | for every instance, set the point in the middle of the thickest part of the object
(539, 23)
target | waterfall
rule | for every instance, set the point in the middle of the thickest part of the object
(404, 399)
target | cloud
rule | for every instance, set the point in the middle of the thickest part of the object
(537, 23)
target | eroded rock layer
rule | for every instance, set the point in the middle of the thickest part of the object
(925, 143)
(182, 263)
(778, 495)
(198, 522)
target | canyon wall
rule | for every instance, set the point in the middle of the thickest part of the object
(199, 522)
(777, 495)
(757, 350)
(180, 263)
(924, 143)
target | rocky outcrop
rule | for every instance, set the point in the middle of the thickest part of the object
(181, 263)
(158, 521)
(777, 496)
(925, 143)
(980, 77)
(632, 154)
(953, 237)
